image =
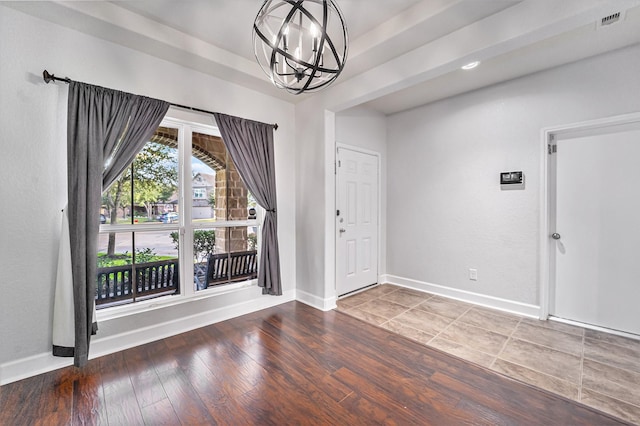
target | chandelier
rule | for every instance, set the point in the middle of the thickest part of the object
(300, 44)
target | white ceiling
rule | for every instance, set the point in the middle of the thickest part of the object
(402, 53)
(228, 24)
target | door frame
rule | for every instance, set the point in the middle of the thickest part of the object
(378, 208)
(547, 194)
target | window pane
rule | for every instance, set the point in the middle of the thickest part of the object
(115, 273)
(134, 266)
(203, 184)
(208, 162)
(218, 191)
(208, 260)
(224, 255)
(156, 264)
(147, 190)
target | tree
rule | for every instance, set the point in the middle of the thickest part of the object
(252, 241)
(154, 176)
(211, 200)
(116, 197)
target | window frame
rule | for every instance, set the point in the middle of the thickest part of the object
(185, 228)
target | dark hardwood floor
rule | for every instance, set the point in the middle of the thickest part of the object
(290, 364)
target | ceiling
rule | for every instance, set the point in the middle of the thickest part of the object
(209, 20)
(402, 53)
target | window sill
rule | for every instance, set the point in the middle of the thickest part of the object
(167, 301)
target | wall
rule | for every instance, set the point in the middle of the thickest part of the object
(318, 129)
(33, 170)
(311, 204)
(447, 212)
(524, 24)
(367, 129)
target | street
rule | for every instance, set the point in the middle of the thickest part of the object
(159, 242)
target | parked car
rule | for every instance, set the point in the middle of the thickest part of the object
(169, 217)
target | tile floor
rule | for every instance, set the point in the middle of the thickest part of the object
(598, 369)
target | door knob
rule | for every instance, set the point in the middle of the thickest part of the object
(342, 230)
(555, 236)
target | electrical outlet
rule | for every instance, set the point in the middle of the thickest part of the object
(473, 274)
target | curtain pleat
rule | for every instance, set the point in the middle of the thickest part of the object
(250, 145)
(105, 130)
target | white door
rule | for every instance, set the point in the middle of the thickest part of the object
(356, 221)
(597, 230)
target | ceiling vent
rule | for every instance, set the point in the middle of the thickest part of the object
(610, 19)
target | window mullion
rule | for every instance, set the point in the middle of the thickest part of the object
(186, 202)
(134, 273)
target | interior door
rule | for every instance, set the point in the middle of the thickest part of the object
(597, 230)
(356, 221)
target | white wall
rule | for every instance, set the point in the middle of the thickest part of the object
(446, 211)
(310, 201)
(33, 169)
(363, 128)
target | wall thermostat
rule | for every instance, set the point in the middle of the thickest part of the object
(511, 178)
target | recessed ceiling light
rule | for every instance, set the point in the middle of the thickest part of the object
(471, 65)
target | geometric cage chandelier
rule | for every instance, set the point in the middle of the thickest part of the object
(300, 44)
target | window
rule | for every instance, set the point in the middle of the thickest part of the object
(199, 193)
(180, 210)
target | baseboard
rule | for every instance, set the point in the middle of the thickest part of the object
(31, 366)
(595, 327)
(505, 305)
(45, 362)
(315, 301)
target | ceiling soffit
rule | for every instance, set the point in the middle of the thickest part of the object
(406, 60)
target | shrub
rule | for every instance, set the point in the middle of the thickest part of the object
(144, 255)
(204, 243)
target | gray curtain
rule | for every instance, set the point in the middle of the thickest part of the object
(105, 130)
(250, 145)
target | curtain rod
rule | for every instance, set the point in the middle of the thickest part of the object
(48, 77)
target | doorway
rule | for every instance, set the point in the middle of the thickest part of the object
(357, 190)
(594, 224)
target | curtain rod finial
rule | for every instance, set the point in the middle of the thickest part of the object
(46, 76)
(275, 126)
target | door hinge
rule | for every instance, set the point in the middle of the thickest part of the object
(552, 148)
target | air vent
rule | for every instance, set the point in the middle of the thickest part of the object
(611, 19)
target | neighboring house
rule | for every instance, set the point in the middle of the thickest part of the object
(203, 185)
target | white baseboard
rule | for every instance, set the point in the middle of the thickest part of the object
(31, 366)
(505, 305)
(45, 362)
(315, 301)
(595, 327)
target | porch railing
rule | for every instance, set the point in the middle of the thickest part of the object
(115, 286)
(230, 267)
